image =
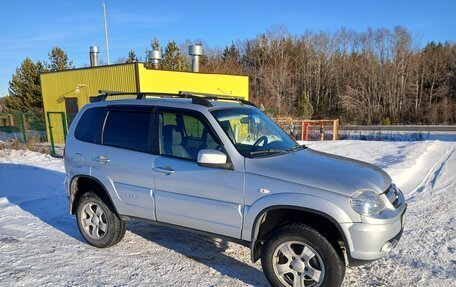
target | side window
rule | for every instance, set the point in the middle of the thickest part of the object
(184, 136)
(193, 127)
(89, 125)
(129, 130)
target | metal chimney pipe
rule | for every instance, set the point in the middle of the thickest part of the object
(195, 51)
(94, 56)
(155, 57)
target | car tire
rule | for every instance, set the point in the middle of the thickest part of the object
(97, 221)
(298, 252)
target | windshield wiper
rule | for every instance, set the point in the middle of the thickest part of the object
(297, 147)
(267, 151)
(273, 151)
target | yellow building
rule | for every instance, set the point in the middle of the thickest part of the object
(66, 92)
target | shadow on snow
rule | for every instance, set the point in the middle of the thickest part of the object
(40, 192)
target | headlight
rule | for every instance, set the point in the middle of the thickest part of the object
(367, 202)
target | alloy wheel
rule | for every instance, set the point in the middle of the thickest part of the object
(297, 264)
(94, 220)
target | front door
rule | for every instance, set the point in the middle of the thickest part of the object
(125, 156)
(203, 198)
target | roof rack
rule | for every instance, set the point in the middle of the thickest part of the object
(103, 95)
(215, 97)
(197, 98)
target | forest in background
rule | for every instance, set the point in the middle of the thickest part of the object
(379, 76)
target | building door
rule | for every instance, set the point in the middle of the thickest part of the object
(71, 106)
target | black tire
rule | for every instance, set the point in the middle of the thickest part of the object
(123, 230)
(295, 236)
(91, 228)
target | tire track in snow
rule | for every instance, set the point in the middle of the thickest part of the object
(426, 234)
(427, 189)
(429, 184)
(433, 173)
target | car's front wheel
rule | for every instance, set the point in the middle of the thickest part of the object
(297, 255)
(97, 221)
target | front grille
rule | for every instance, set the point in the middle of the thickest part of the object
(393, 195)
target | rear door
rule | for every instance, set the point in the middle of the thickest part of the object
(208, 199)
(81, 140)
(125, 157)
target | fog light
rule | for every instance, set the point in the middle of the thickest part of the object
(387, 247)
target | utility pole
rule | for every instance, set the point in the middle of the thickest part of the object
(106, 31)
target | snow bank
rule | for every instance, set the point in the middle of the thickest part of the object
(408, 163)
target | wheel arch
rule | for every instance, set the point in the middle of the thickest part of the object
(81, 183)
(280, 215)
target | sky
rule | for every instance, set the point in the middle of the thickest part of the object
(30, 28)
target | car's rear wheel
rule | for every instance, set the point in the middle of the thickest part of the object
(297, 255)
(98, 223)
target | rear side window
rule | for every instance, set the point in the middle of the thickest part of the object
(129, 130)
(89, 126)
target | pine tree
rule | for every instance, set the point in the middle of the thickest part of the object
(24, 87)
(131, 57)
(304, 107)
(231, 54)
(58, 60)
(173, 59)
(155, 44)
(2, 104)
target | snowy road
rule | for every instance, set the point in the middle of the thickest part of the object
(41, 246)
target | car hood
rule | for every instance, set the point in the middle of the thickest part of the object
(321, 170)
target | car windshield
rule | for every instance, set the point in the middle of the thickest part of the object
(253, 133)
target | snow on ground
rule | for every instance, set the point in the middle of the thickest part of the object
(40, 244)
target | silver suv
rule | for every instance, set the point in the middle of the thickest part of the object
(221, 166)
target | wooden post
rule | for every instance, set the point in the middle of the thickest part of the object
(307, 131)
(335, 130)
(322, 131)
(10, 120)
(24, 137)
(302, 130)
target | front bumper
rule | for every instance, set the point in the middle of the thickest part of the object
(369, 241)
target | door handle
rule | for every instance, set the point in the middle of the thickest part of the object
(165, 170)
(102, 159)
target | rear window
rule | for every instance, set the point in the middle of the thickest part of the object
(129, 130)
(89, 126)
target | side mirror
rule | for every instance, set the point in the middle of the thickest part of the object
(213, 158)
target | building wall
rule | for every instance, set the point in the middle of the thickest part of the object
(173, 82)
(81, 84)
(86, 82)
